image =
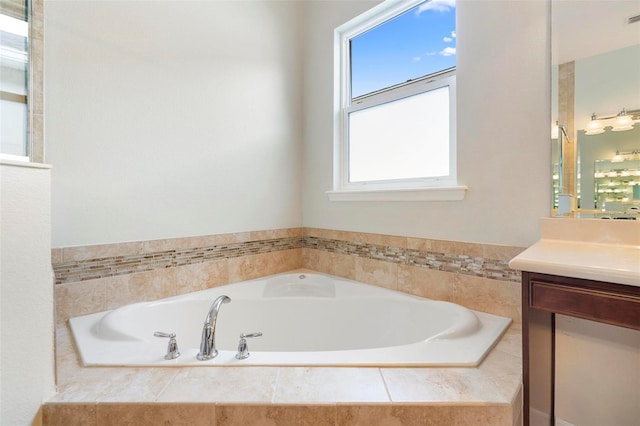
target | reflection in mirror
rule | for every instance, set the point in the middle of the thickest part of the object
(596, 108)
(14, 78)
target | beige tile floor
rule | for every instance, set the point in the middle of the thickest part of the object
(487, 395)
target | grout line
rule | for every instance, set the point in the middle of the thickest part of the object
(386, 388)
(276, 385)
(169, 382)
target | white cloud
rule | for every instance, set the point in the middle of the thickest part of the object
(416, 58)
(437, 5)
(432, 53)
(453, 34)
(448, 51)
(447, 39)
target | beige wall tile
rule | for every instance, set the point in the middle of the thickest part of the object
(260, 265)
(415, 415)
(67, 358)
(377, 239)
(168, 244)
(37, 51)
(275, 415)
(81, 298)
(456, 247)
(222, 385)
(200, 276)
(36, 19)
(70, 254)
(506, 253)
(273, 233)
(445, 246)
(340, 265)
(486, 295)
(56, 256)
(362, 237)
(517, 409)
(137, 385)
(37, 140)
(421, 244)
(69, 415)
(218, 239)
(470, 291)
(377, 272)
(325, 233)
(156, 414)
(429, 283)
(442, 385)
(505, 372)
(328, 385)
(482, 294)
(140, 287)
(511, 341)
(115, 385)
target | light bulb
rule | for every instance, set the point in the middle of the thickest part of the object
(617, 158)
(622, 122)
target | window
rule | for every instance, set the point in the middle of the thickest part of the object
(395, 103)
(14, 32)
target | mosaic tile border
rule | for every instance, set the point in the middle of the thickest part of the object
(447, 262)
(84, 270)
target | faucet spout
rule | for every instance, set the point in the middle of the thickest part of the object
(208, 343)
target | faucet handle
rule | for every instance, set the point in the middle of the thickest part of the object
(172, 347)
(243, 349)
(257, 334)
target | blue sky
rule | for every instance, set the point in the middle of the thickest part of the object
(419, 42)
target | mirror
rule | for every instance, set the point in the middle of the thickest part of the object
(595, 108)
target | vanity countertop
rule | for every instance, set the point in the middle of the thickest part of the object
(597, 250)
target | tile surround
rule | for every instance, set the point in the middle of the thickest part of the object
(85, 263)
(475, 274)
(487, 395)
(87, 266)
(96, 278)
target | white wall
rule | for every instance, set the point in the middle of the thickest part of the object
(606, 83)
(172, 119)
(169, 122)
(26, 294)
(503, 129)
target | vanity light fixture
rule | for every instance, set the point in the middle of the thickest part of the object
(622, 121)
(618, 158)
(621, 156)
(595, 126)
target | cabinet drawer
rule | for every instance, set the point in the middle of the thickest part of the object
(591, 304)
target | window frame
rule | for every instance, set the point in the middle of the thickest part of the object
(33, 13)
(430, 188)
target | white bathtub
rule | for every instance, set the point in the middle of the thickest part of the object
(306, 319)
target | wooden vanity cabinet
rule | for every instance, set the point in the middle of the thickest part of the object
(543, 296)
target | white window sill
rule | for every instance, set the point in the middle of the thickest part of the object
(5, 161)
(445, 193)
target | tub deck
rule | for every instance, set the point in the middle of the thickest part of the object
(218, 396)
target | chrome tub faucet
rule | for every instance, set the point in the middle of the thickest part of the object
(208, 343)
